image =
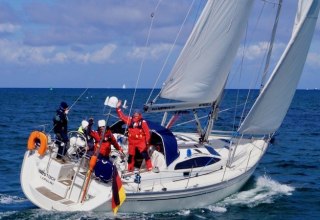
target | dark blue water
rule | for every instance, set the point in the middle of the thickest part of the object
(286, 185)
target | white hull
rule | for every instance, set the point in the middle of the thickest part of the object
(51, 185)
(186, 199)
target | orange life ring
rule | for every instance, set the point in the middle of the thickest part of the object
(40, 137)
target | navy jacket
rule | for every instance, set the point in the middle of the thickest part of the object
(60, 125)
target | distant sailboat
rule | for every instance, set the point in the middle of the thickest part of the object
(124, 86)
(191, 170)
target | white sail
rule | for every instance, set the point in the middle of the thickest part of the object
(270, 108)
(200, 73)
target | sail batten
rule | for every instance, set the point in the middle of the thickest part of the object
(270, 108)
(200, 72)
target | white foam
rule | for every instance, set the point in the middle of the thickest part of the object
(44, 214)
(184, 212)
(7, 214)
(218, 209)
(266, 190)
(7, 199)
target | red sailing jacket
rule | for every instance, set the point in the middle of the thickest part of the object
(138, 131)
(109, 139)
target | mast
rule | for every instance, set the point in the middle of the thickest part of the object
(274, 30)
(213, 115)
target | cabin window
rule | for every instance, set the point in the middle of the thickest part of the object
(156, 141)
(196, 162)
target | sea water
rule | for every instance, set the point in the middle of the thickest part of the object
(286, 184)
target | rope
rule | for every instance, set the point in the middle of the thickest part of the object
(170, 52)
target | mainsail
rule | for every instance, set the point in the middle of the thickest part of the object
(269, 110)
(200, 72)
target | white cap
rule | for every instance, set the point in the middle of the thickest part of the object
(84, 124)
(101, 123)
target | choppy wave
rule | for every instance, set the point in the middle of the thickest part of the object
(8, 199)
(43, 214)
(265, 190)
(7, 214)
(292, 158)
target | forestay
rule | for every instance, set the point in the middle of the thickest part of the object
(200, 73)
(270, 108)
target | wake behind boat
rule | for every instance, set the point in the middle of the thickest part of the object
(190, 170)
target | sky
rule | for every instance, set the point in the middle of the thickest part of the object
(108, 43)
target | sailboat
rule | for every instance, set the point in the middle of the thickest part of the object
(190, 170)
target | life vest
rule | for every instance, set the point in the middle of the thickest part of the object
(135, 130)
(134, 125)
(105, 147)
(107, 137)
(35, 138)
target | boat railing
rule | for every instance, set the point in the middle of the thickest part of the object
(222, 133)
(76, 153)
(190, 173)
(81, 165)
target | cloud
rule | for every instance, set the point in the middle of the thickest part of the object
(256, 50)
(14, 52)
(41, 34)
(153, 52)
(100, 21)
(103, 55)
(8, 28)
(313, 59)
(259, 49)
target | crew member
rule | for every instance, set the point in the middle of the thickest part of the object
(85, 129)
(60, 128)
(138, 136)
(108, 139)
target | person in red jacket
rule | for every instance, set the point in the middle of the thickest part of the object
(138, 136)
(108, 139)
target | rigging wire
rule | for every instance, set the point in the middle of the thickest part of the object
(270, 46)
(73, 104)
(261, 65)
(170, 52)
(253, 82)
(239, 67)
(78, 98)
(143, 58)
(240, 75)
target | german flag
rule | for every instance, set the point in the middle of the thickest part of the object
(118, 192)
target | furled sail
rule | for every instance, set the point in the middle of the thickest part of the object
(200, 72)
(270, 108)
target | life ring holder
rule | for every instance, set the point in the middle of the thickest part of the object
(38, 136)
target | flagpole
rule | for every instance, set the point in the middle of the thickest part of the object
(93, 160)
